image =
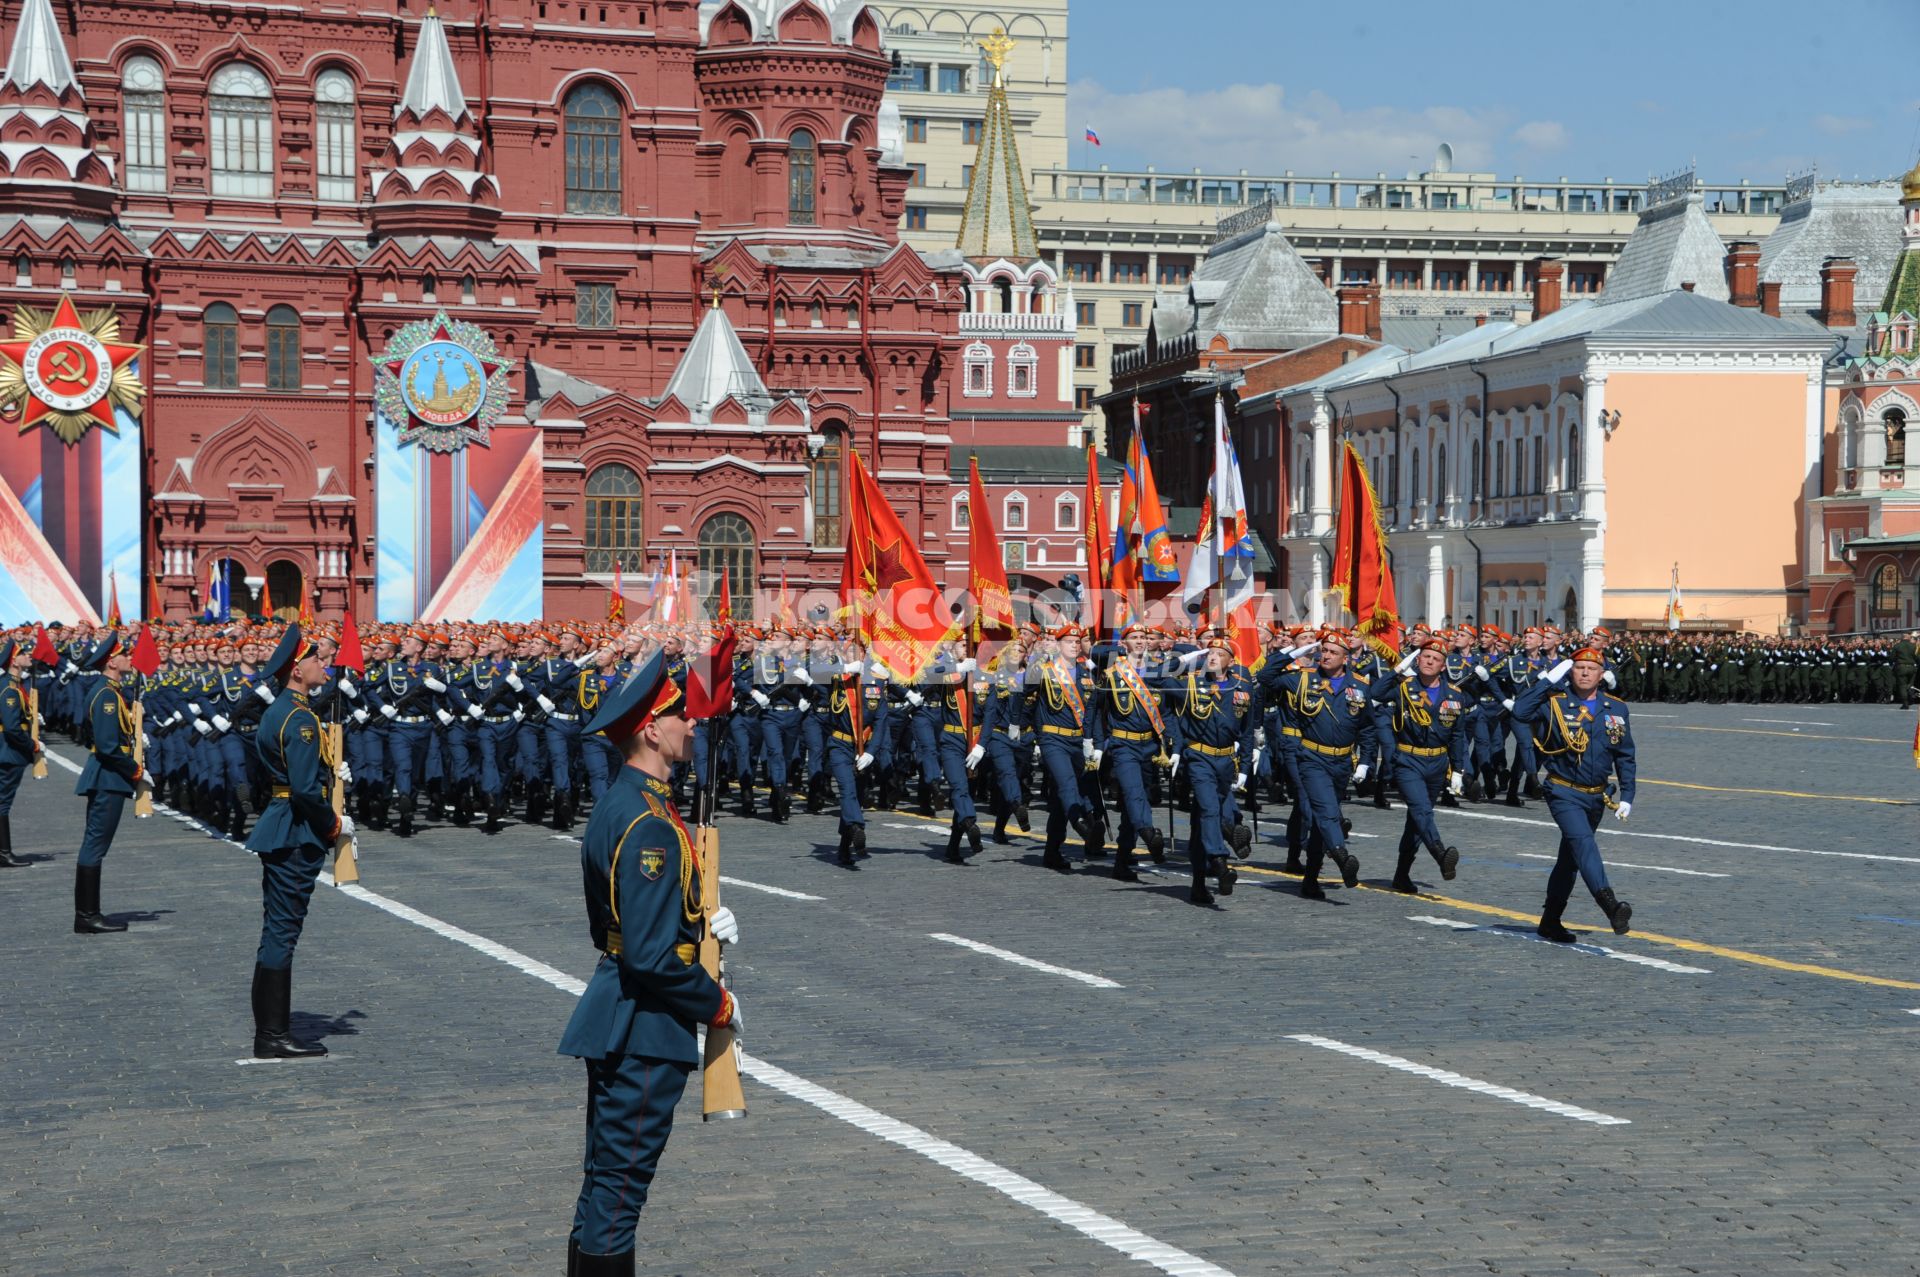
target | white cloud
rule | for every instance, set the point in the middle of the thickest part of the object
(1840, 125)
(1257, 128)
(1541, 135)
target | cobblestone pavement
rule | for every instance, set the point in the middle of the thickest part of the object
(1377, 1084)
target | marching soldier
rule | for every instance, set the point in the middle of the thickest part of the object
(1584, 738)
(1136, 734)
(957, 719)
(635, 1025)
(1001, 723)
(18, 748)
(1214, 710)
(292, 837)
(1431, 731)
(1060, 705)
(109, 778)
(1329, 705)
(845, 724)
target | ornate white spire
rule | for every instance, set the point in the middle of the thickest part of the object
(431, 81)
(715, 367)
(39, 53)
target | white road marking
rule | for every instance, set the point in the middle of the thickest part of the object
(1621, 864)
(1686, 838)
(1643, 714)
(1448, 1078)
(1007, 955)
(309, 1059)
(1789, 722)
(1082, 1219)
(729, 882)
(1594, 950)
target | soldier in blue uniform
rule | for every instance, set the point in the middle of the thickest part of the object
(1213, 711)
(1001, 725)
(743, 724)
(1584, 739)
(1060, 706)
(635, 1024)
(846, 728)
(1431, 749)
(1513, 674)
(292, 837)
(1330, 707)
(779, 696)
(407, 692)
(109, 778)
(17, 746)
(1129, 689)
(949, 694)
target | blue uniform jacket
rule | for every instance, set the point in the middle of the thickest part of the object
(644, 911)
(110, 767)
(1583, 742)
(1215, 715)
(16, 732)
(300, 817)
(1428, 718)
(1332, 713)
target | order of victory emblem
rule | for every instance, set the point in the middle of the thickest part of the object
(443, 382)
(68, 372)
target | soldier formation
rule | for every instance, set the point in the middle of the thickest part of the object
(1752, 669)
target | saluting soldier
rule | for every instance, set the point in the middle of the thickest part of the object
(292, 837)
(1002, 719)
(1061, 708)
(18, 749)
(1584, 738)
(846, 728)
(1214, 711)
(1136, 734)
(635, 1025)
(109, 778)
(1329, 705)
(1431, 725)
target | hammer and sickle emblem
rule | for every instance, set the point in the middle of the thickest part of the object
(68, 368)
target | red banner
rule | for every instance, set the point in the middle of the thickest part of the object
(1361, 574)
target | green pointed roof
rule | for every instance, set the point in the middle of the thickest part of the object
(1903, 287)
(998, 218)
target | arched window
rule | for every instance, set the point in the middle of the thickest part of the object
(1016, 513)
(220, 345)
(1895, 423)
(285, 583)
(1885, 597)
(827, 479)
(241, 132)
(1066, 514)
(613, 519)
(1539, 463)
(1022, 364)
(593, 150)
(1570, 611)
(780, 314)
(726, 542)
(1473, 476)
(962, 517)
(1005, 288)
(817, 314)
(1439, 478)
(1573, 456)
(978, 370)
(143, 98)
(1413, 480)
(802, 162)
(334, 140)
(1499, 468)
(283, 348)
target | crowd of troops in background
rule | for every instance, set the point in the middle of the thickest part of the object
(1754, 670)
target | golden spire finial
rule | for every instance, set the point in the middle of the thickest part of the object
(997, 46)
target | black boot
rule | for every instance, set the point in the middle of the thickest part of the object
(1123, 865)
(1294, 864)
(1090, 833)
(573, 1258)
(493, 815)
(1380, 798)
(845, 854)
(1097, 846)
(973, 835)
(1198, 893)
(1550, 928)
(954, 834)
(7, 859)
(926, 799)
(1349, 866)
(87, 918)
(238, 829)
(782, 805)
(1618, 912)
(1403, 875)
(272, 997)
(746, 797)
(1000, 830)
(620, 1265)
(536, 802)
(1240, 838)
(408, 804)
(1449, 858)
(1021, 818)
(817, 794)
(1222, 869)
(1156, 844)
(1310, 888)
(1053, 860)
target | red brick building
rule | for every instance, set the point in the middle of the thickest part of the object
(675, 224)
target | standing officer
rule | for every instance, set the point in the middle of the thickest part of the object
(1431, 719)
(1583, 737)
(1214, 712)
(1330, 707)
(635, 1024)
(17, 746)
(292, 837)
(107, 781)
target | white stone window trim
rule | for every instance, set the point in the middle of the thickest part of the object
(1023, 358)
(978, 355)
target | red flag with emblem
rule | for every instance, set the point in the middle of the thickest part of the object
(44, 652)
(723, 606)
(886, 584)
(146, 652)
(986, 568)
(266, 599)
(710, 678)
(306, 606)
(350, 656)
(1362, 576)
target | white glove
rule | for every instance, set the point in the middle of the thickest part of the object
(1360, 773)
(916, 700)
(346, 825)
(1173, 767)
(1608, 678)
(476, 711)
(1087, 751)
(220, 721)
(1239, 782)
(1193, 660)
(800, 675)
(1623, 810)
(360, 716)
(967, 666)
(1484, 673)
(805, 704)
(1507, 705)
(513, 681)
(542, 701)
(974, 756)
(344, 772)
(725, 927)
(1406, 662)
(388, 711)
(519, 714)
(1013, 736)
(863, 762)
(146, 741)
(1258, 751)
(1307, 650)
(1456, 784)
(434, 685)
(446, 719)
(264, 691)
(879, 670)
(852, 667)
(347, 689)
(586, 660)
(761, 699)
(194, 706)
(1559, 671)
(736, 1023)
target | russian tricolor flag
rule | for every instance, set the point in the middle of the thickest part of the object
(1092, 136)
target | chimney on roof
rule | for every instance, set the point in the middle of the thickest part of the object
(1480, 321)
(1547, 273)
(1743, 274)
(1353, 309)
(1770, 298)
(1373, 311)
(1836, 292)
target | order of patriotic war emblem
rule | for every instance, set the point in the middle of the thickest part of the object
(68, 372)
(443, 382)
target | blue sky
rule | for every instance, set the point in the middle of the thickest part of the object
(1546, 89)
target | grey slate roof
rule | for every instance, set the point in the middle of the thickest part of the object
(1417, 332)
(1255, 289)
(544, 383)
(1032, 463)
(715, 367)
(1673, 244)
(431, 79)
(1860, 220)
